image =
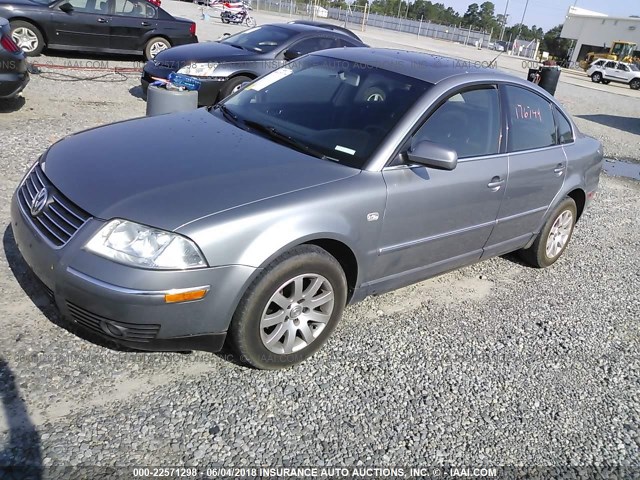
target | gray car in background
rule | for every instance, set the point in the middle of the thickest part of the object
(259, 219)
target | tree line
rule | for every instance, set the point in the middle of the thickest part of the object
(478, 17)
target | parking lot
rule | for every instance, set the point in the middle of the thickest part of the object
(494, 364)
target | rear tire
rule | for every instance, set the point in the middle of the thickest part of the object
(554, 236)
(596, 77)
(290, 310)
(155, 46)
(28, 37)
(606, 82)
(635, 84)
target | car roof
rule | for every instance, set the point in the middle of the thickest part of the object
(422, 66)
(305, 27)
(326, 26)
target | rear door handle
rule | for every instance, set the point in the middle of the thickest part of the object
(102, 20)
(559, 170)
(145, 24)
(495, 184)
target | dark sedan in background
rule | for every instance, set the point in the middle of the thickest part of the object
(105, 26)
(223, 66)
(13, 66)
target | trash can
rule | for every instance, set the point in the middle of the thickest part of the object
(161, 101)
(549, 78)
(546, 76)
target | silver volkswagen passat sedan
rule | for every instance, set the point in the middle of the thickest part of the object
(346, 173)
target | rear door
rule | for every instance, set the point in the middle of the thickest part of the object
(131, 21)
(537, 167)
(87, 25)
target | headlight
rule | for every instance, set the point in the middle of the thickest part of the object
(199, 69)
(134, 244)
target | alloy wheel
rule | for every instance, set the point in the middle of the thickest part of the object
(25, 38)
(156, 48)
(297, 313)
(559, 234)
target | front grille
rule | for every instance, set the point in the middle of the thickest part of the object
(60, 219)
(133, 332)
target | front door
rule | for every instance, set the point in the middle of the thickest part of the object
(436, 220)
(85, 25)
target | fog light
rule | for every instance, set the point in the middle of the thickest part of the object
(185, 296)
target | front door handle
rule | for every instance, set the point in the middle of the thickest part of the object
(145, 24)
(495, 184)
(559, 170)
(102, 20)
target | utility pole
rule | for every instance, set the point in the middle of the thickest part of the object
(522, 21)
(504, 21)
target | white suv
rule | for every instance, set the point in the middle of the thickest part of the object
(606, 71)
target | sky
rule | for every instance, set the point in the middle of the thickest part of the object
(549, 13)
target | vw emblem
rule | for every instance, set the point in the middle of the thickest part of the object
(39, 201)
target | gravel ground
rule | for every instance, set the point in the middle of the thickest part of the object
(494, 364)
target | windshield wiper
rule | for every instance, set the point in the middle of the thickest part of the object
(228, 114)
(274, 134)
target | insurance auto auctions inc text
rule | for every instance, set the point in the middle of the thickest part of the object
(352, 472)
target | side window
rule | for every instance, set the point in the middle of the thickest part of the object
(610, 65)
(314, 44)
(134, 8)
(89, 6)
(467, 122)
(341, 42)
(530, 118)
(623, 67)
(565, 134)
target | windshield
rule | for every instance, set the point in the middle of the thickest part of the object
(634, 67)
(260, 39)
(330, 108)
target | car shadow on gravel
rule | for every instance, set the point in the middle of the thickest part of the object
(625, 124)
(137, 92)
(12, 104)
(34, 289)
(20, 453)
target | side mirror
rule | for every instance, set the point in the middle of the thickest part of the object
(291, 55)
(66, 7)
(433, 155)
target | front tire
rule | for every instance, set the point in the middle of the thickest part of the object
(155, 46)
(250, 22)
(554, 237)
(28, 37)
(290, 310)
(232, 86)
(635, 84)
(596, 77)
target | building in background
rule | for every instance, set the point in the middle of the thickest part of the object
(596, 32)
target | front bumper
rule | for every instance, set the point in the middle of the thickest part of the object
(207, 94)
(126, 305)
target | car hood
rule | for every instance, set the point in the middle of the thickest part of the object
(203, 52)
(168, 170)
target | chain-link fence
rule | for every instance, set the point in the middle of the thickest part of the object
(353, 19)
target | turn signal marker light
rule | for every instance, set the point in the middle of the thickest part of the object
(185, 296)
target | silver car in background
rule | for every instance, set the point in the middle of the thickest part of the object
(346, 173)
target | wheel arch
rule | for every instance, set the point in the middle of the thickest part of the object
(151, 35)
(36, 24)
(580, 197)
